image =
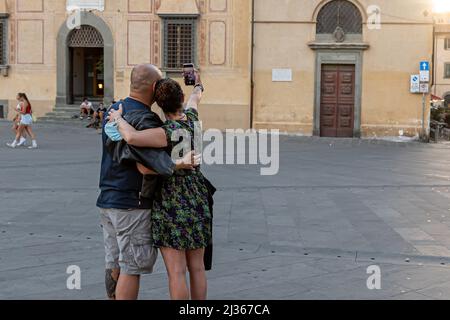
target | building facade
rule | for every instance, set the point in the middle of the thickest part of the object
(56, 63)
(337, 68)
(441, 88)
(350, 61)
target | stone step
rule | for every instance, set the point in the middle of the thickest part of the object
(58, 114)
(63, 112)
(68, 122)
(67, 108)
(79, 100)
(50, 118)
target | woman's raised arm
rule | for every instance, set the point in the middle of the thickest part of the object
(196, 96)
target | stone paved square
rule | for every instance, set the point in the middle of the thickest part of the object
(310, 232)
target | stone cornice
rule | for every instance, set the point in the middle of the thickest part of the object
(338, 46)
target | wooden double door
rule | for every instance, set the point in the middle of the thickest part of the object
(337, 103)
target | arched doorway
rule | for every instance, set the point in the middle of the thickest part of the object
(86, 57)
(85, 61)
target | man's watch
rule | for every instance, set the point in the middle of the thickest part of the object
(199, 85)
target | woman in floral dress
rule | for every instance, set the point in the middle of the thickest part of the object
(181, 217)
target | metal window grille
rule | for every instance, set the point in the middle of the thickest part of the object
(3, 42)
(447, 44)
(339, 13)
(179, 41)
(85, 37)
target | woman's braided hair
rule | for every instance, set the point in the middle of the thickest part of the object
(169, 95)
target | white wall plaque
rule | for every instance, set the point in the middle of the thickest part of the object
(281, 75)
(72, 5)
(415, 83)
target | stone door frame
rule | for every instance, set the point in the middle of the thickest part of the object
(336, 55)
(63, 58)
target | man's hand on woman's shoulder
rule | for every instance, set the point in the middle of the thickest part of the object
(115, 114)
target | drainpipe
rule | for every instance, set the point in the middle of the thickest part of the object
(434, 57)
(252, 64)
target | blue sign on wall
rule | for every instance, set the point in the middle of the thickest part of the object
(424, 66)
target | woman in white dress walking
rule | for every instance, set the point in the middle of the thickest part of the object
(25, 122)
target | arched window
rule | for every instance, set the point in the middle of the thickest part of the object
(85, 37)
(339, 15)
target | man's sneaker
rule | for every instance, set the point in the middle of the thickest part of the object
(33, 145)
(12, 145)
(81, 118)
(22, 142)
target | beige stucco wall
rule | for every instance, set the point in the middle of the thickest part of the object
(442, 86)
(223, 52)
(387, 104)
(283, 31)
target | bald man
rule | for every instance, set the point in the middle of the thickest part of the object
(125, 214)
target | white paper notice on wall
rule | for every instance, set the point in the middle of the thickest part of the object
(281, 75)
(72, 5)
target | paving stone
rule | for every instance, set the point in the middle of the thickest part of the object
(307, 233)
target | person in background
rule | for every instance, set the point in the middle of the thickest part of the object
(86, 109)
(98, 117)
(25, 121)
(15, 126)
(101, 111)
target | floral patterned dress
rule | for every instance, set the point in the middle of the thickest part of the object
(181, 218)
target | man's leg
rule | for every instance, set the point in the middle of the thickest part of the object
(112, 269)
(83, 112)
(111, 280)
(128, 287)
(137, 254)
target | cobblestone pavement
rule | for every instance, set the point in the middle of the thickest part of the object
(310, 232)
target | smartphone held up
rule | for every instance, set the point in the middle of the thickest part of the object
(189, 74)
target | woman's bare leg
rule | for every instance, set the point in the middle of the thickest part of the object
(175, 262)
(30, 132)
(19, 133)
(197, 274)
